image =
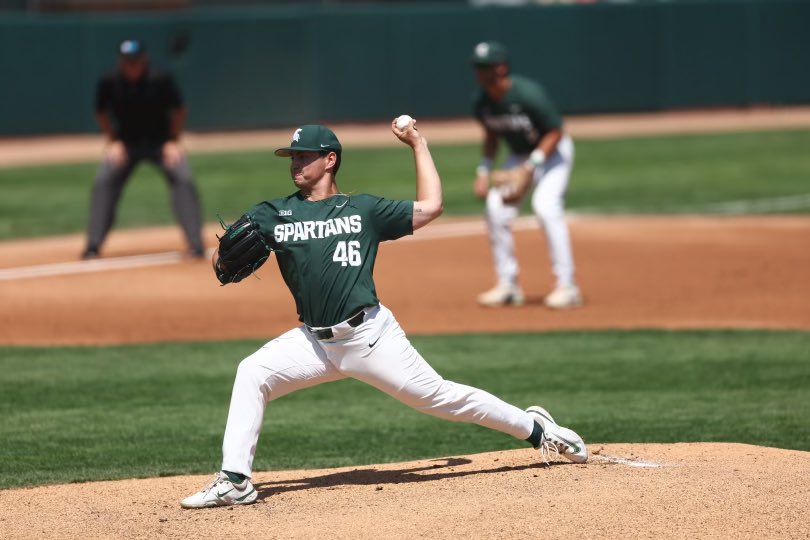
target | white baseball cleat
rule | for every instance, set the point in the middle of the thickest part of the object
(502, 295)
(557, 439)
(220, 491)
(564, 297)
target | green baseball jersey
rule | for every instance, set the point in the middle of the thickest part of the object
(521, 118)
(326, 249)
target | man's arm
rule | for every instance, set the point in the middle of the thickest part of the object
(547, 146)
(489, 150)
(490, 146)
(546, 118)
(177, 123)
(105, 124)
(116, 152)
(172, 152)
(428, 204)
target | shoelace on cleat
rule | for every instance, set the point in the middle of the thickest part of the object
(218, 479)
(548, 449)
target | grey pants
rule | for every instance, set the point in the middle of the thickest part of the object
(109, 184)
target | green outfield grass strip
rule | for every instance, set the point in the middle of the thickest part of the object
(90, 413)
(722, 173)
(769, 204)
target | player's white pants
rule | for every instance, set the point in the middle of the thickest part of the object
(378, 353)
(550, 183)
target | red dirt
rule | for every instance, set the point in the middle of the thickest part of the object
(698, 491)
(686, 272)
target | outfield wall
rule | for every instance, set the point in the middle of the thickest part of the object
(282, 66)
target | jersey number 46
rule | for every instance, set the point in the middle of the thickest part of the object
(347, 253)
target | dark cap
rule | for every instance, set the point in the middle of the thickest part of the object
(312, 138)
(489, 53)
(131, 48)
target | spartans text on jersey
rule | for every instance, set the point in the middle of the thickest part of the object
(507, 122)
(304, 230)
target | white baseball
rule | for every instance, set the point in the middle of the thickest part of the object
(403, 121)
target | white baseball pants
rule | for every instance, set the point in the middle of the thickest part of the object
(550, 183)
(377, 353)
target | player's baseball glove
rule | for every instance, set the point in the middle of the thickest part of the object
(242, 250)
(512, 183)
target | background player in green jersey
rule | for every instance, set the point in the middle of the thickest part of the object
(325, 244)
(518, 110)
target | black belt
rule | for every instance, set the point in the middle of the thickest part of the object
(327, 333)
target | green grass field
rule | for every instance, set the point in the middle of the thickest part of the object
(90, 413)
(651, 175)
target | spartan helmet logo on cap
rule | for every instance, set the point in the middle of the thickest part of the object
(297, 135)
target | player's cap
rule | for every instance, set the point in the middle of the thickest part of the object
(131, 48)
(312, 138)
(489, 53)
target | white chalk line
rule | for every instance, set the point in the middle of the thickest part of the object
(739, 207)
(93, 265)
(435, 232)
(772, 204)
(638, 463)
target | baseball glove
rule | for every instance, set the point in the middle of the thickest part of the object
(242, 250)
(512, 183)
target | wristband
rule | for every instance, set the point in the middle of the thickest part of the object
(484, 167)
(536, 158)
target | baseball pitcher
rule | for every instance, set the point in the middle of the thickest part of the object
(325, 243)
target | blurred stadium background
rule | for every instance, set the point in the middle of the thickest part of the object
(264, 64)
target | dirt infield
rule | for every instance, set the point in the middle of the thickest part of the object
(636, 272)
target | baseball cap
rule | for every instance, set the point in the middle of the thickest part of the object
(489, 53)
(312, 138)
(131, 48)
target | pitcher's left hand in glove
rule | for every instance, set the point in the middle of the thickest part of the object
(242, 250)
(512, 183)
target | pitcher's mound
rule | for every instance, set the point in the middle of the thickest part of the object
(625, 491)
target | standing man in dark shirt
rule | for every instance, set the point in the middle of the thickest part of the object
(141, 112)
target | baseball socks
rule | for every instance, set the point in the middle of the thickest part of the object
(534, 439)
(237, 478)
